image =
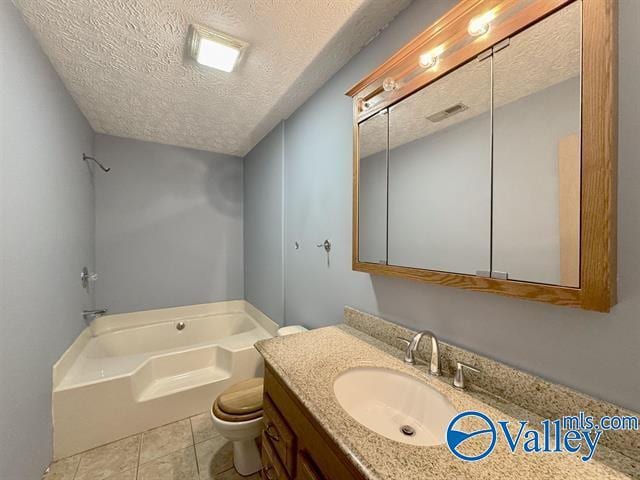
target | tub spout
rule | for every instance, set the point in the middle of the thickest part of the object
(90, 315)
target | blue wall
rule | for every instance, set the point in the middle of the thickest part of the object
(168, 226)
(47, 205)
(595, 353)
(263, 220)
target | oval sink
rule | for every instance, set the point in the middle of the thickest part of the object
(395, 405)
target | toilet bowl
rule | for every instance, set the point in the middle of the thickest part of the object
(237, 415)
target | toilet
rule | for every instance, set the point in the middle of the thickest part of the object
(237, 415)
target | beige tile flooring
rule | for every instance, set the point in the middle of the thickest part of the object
(190, 449)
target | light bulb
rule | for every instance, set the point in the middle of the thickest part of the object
(431, 58)
(428, 60)
(389, 84)
(480, 25)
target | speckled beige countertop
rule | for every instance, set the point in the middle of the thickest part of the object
(309, 362)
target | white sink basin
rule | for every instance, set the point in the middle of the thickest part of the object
(385, 401)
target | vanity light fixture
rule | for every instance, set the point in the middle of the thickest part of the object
(214, 49)
(430, 59)
(480, 25)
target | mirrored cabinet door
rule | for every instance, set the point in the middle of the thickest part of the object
(440, 174)
(536, 153)
(372, 192)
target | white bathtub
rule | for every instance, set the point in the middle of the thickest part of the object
(131, 372)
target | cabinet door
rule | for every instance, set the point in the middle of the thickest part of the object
(372, 194)
(536, 135)
(440, 174)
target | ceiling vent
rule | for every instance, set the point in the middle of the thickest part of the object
(447, 112)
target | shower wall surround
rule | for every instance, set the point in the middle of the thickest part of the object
(47, 236)
(168, 226)
(591, 352)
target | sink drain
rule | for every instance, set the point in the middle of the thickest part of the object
(408, 430)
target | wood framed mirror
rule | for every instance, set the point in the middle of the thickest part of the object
(485, 153)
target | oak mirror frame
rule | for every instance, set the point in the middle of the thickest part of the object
(450, 39)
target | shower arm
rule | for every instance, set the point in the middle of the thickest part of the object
(86, 157)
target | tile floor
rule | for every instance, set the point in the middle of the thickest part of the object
(190, 449)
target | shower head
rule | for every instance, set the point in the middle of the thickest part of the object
(86, 157)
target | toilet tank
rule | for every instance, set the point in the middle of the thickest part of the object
(291, 329)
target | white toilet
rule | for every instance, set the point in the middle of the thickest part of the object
(237, 415)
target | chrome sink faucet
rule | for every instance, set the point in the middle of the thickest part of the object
(412, 347)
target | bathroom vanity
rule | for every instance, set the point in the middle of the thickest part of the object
(309, 434)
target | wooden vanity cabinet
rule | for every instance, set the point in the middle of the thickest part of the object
(294, 445)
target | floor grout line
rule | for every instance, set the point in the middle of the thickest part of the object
(195, 452)
(139, 454)
(77, 468)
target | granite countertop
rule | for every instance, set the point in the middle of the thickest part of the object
(308, 363)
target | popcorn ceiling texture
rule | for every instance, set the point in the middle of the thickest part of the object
(123, 62)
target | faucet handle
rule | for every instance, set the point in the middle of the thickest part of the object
(458, 379)
(408, 353)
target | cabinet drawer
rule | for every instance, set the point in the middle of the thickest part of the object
(278, 431)
(307, 469)
(272, 468)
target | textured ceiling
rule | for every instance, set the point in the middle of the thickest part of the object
(123, 62)
(537, 58)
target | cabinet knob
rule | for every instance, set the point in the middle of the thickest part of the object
(269, 471)
(272, 432)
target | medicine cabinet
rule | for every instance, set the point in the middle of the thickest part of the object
(485, 153)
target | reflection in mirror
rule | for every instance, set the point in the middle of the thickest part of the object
(372, 189)
(536, 231)
(440, 174)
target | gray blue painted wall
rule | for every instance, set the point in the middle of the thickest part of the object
(47, 208)
(168, 226)
(595, 353)
(263, 234)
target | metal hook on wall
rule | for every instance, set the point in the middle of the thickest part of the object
(86, 157)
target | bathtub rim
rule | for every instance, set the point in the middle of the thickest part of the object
(120, 321)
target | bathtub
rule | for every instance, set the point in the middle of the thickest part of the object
(131, 372)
